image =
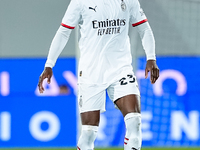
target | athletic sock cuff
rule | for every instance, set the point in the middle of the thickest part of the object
(89, 127)
(131, 115)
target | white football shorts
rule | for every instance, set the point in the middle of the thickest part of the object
(92, 97)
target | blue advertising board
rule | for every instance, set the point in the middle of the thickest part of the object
(30, 119)
(170, 108)
(172, 104)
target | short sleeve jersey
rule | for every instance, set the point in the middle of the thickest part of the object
(104, 44)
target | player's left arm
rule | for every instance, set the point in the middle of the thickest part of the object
(148, 43)
(138, 19)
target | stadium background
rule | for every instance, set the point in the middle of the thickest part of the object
(170, 108)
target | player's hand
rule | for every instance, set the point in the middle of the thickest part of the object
(152, 67)
(47, 73)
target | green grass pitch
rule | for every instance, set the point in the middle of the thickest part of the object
(98, 148)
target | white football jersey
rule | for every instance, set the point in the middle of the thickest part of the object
(104, 44)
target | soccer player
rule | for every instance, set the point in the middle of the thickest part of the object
(105, 63)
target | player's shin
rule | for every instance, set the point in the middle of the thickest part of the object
(133, 138)
(87, 137)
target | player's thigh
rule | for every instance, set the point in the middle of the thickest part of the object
(90, 118)
(91, 100)
(129, 104)
(125, 94)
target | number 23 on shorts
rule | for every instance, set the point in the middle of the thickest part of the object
(129, 79)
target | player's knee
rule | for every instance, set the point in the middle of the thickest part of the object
(87, 138)
(133, 130)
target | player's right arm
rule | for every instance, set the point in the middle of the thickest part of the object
(69, 21)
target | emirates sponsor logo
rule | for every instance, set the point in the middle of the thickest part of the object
(108, 26)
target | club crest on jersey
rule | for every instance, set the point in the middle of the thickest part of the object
(123, 6)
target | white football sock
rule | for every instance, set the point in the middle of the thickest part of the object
(88, 135)
(133, 138)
